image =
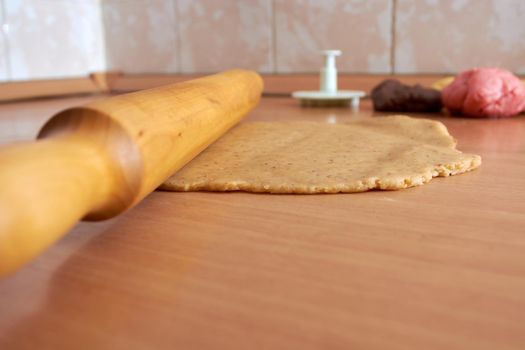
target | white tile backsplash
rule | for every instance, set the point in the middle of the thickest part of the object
(54, 38)
(68, 38)
(4, 53)
(453, 35)
(141, 36)
(221, 35)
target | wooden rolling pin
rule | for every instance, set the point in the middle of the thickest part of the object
(96, 161)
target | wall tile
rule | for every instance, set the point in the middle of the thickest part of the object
(4, 75)
(361, 29)
(141, 35)
(448, 36)
(65, 38)
(54, 38)
(219, 35)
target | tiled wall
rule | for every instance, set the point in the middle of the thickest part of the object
(51, 38)
(446, 35)
(64, 38)
(141, 35)
(4, 63)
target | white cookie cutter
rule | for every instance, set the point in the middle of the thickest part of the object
(328, 93)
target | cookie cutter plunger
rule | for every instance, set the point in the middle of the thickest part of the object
(328, 94)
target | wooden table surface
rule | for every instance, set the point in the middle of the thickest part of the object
(440, 266)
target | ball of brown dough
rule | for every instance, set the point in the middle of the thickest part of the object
(393, 96)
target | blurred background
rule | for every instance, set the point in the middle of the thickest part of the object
(70, 38)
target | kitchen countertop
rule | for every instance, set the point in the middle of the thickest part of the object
(441, 266)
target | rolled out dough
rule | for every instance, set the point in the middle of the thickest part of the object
(386, 153)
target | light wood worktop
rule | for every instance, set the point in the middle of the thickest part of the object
(440, 266)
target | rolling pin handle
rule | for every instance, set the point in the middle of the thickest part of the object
(47, 186)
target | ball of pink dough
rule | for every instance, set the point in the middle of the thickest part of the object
(485, 92)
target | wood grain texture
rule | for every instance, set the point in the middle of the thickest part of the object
(435, 267)
(44, 88)
(97, 160)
